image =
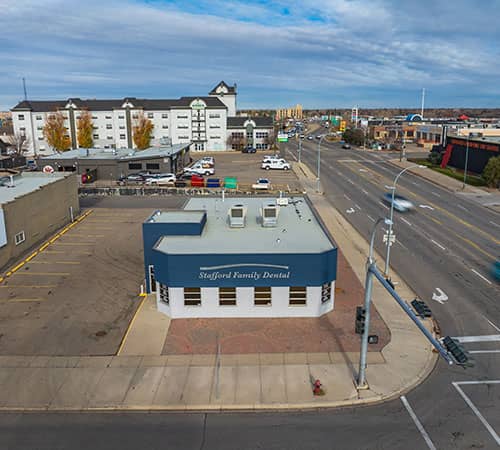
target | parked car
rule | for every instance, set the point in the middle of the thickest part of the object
(346, 146)
(135, 178)
(161, 179)
(301, 136)
(207, 160)
(200, 169)
(270, 158)
(249, 149)
(401, 203)
(278, 164)
(262, 183)
(310, 138)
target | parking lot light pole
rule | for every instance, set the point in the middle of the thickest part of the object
(391, 217)
(368, 294)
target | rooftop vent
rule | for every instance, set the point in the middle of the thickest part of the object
(269, 213)
(237, 216)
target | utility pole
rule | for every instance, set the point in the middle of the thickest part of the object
(423, 100)
(24, 89)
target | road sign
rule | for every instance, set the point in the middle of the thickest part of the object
(48, 169)
(342, 125)
(391, 237)
(282, 137)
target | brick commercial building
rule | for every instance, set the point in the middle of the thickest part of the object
(240, 257)
(32, 206)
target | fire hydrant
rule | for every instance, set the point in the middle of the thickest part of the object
(317, 388)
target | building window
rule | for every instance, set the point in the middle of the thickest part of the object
(109, 138)
(108, 117)
(298, 296)
(150, 115)
(135, 166)
(326, 292)
(214, 116)
(121, 117)
(164, 126)
(192, 297)
(214, 137)
(262, 296)
(182, 117)
(94, 117)
(20, 116)
(164, 297)
(109, 126)
(153, 166)
(95, 136)
(214, 126)
(122, 127)
(19, 238)
(237, 135)
(38, 117)
(122, 136)
(164, 116)
(227, 296)
(40, 138)
(135, 116)
(183, 127)
(23, 129)
(264, 146)
(261, 135)
(183, 137)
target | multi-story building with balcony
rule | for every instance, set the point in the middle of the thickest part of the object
(201, 121)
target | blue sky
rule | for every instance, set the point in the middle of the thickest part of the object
(322, 54)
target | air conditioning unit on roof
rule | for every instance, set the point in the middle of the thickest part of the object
(269, 212)
(237, 216)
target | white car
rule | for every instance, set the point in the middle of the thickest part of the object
(270, 158)
(279, 164)
(207, 160)
(200, 169)
(161, 179)
(262, 183)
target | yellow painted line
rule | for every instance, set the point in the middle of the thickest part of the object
(30, 257)
(28, 286)
(35, 299)
(88, 235)
(18, 267)
(130, 326)
(8, 274)
(55, 274)
(43, 247)
(1, 279)
(75, 243)
(55, 262)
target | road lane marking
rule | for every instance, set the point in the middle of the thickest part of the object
(474, 408)
(461, 207)
(371, 218)
(405, 221)
(384, 205)
(475, 352)
(402, 245)
(347, 197)
(482, 338)
(481, 276)
(357, 206)
(75, 243)
(493, 223)
(435, 193)
(492, 324)
(438, 244)
(439, 296)
(418, 424)
(364, 192)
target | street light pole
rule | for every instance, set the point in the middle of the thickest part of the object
(391, 217)
(318, 187)
(300, 150)
(466, 160)
(368, 294)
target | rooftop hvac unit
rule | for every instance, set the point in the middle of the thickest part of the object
(237, 216)
(269, 213)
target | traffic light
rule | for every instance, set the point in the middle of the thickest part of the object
(458, 353)
(421, 308)
(360, 320)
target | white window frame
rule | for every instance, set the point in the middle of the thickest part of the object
(20, 237)
(297, 296)
(228, 296)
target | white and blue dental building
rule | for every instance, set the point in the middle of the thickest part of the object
(240, 257)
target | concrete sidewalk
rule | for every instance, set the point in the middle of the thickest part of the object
(142, 379)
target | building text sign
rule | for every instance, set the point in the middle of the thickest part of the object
(253, 272)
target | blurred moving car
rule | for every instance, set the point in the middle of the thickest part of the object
(310, 138)
(346, 146)
(161, 179)
(249, 149)
(401, 204)
(262, 183)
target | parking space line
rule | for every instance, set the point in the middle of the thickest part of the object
(475, 352)
(25, 300)
(474, 408)
(418, 424)
(481, 276)
(438, 244)
(28, 286)
(55, 262)
(482, 338)
(75, 243)
(59, 274)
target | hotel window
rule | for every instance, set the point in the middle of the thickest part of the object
(326, 292)
(135, 116)
(19, 238)
(164, 126)
(109, 137)
(164, 116)
(150, 115)
(182, 117)
(227, 296)
(122, 136)
(122, 127)
(95, 136)
(298, 296)
(38, 117)
(262, 296)
(20, 116)
(164, 297)
(214, 116)
(153, 166)
(22, 129)
(108, 117)
(134, 166)
(192, 296)
(121, 117)
(94, 117)
(183, 127)
(214, 126)
(40, 138)
(39, 128)
(109, 126)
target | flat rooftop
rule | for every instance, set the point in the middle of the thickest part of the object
(26, 182)
(117, 154)
(176, 217)
(297, 230)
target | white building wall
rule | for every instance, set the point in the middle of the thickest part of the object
(245, 307)
(216, 120)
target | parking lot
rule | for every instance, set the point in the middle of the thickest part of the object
(77, 296)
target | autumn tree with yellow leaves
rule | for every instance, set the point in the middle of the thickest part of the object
(85, 129)
(142, 131)
(56, 133)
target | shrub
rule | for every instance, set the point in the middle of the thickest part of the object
(491, 172)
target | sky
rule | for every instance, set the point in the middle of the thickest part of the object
(321, 54)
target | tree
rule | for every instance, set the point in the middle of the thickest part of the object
(85, 129)
(20, 142)
(56, 133)
(491, 172)
(142, 131)
(354, 136)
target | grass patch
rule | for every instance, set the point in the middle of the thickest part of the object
(472, 180)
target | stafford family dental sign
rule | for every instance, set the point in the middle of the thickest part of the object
(245, 272)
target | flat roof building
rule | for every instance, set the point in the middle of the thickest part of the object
(32, 206)
(240, 257)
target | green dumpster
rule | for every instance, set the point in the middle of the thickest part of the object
(230, 182)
